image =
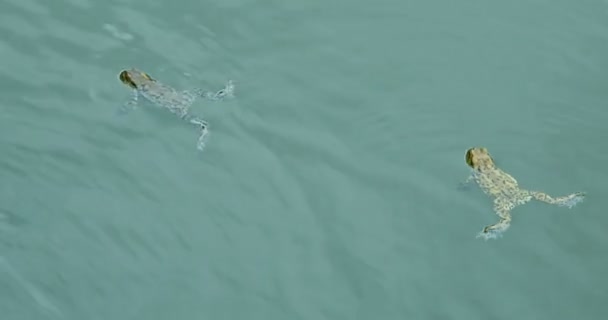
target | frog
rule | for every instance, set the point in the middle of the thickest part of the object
(505, 191)
(178, 102)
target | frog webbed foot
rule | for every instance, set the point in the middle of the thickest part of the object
(493, 231)
(566, 201)
(496, 230)
(199, 122)
(200, 144)
(204, 132)
(226, 92)
(571, 200)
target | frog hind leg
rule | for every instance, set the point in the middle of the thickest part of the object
(566, 201)
(226, 92)
(503, 209)
(203, 127)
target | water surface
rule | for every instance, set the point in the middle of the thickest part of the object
(328, 187)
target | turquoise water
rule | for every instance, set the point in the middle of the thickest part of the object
(328, 188)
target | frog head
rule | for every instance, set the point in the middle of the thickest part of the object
(134, 78)
(478, 158)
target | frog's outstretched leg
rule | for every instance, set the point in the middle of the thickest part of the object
(566, 201)
(503, 210)
(202, 124)
(226, 92)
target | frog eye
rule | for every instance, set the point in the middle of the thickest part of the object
(468, 158)
(123, 76)
(126, 79)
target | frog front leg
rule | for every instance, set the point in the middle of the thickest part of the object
(463, 185)
(130, 104)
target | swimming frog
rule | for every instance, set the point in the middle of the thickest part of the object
(164, 96)
(505, 191)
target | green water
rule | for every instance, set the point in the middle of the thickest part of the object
(329, 185)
